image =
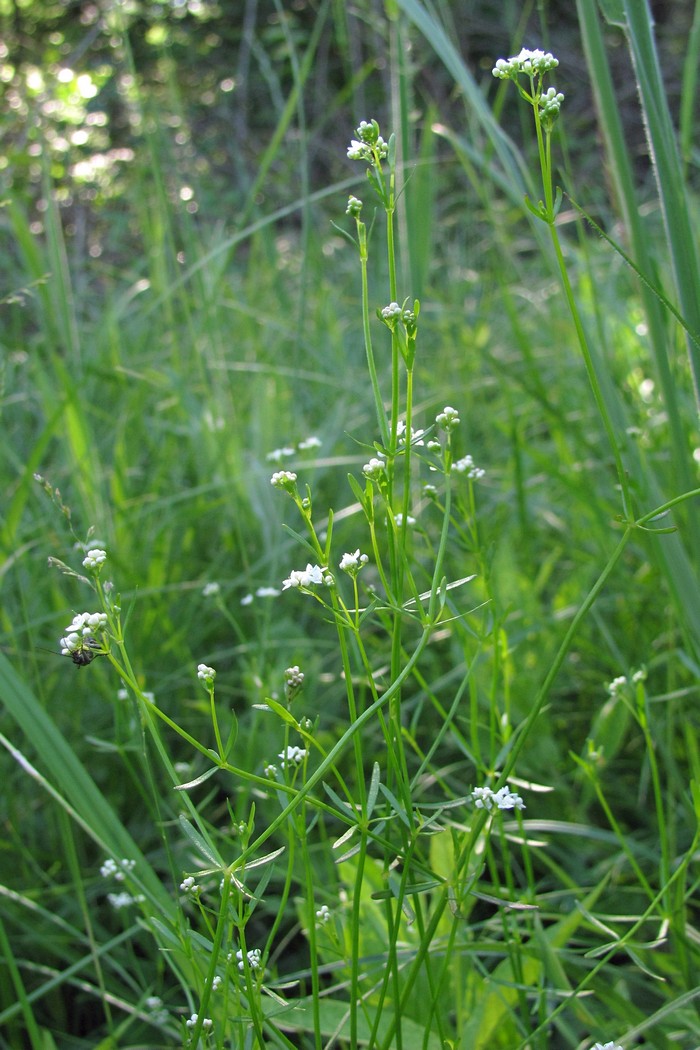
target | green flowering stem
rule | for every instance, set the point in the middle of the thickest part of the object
(366, 329)
(209, 685)
(221, 925)
(391, 252)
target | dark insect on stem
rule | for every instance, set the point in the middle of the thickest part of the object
(85, 653)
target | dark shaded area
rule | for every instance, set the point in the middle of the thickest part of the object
(89, 94)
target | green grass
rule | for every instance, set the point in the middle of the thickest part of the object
(149, 386)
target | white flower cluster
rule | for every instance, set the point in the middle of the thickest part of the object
(283, 479)
(312, 575)
(529, 62)
(253, 959)
(466, 466)
(607, 1046)
(278, 454)
(293, 681)
(375, 469)
(210, 590)
(292, 756)
(354, 206)
(398, 520)
(261, 592)
(117, 869)
(95, 558)
(550, 103)
(392, 312)
(487, 798)
(293, 677)
(206, 1023)
(368, 144)
(448, 419)
(323, 914)
(124, 900)
(352, 563)
(206, 675)
(619, 685)
(189, 885)
(416, 435)
(81, 631)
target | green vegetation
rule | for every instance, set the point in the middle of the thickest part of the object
(398, 751)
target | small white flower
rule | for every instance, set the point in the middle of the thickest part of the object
(607, 1046)
(617, 686)
(482, 798)
(311, 575)
(309, 443)
(270, 771)
(292, 756)
(358, 151)
(209, 590)
(153, 1002)
(267, 592)
(188, 885)
(350, 562)
(506, 799)
(216, 983)
(247, 599)
(398, 519)
(416, 435)
(95, 558)
(81, 630)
